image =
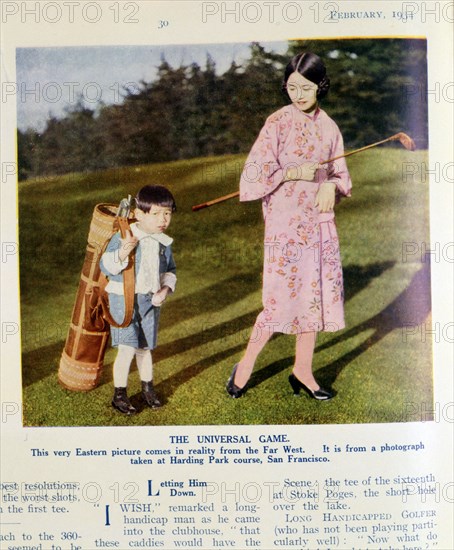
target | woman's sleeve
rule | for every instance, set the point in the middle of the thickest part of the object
(110, 263)
(263, 172)
(337, 171)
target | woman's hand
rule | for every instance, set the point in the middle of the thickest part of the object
(326, 196)
(160, 296)
(305, 171)
(127, 245)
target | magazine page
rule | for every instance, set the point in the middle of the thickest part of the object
(227, 264)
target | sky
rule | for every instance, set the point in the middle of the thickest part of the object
(50, 80)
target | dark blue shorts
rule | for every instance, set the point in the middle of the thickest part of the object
(143, 329)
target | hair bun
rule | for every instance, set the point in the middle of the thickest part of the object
(323, 87)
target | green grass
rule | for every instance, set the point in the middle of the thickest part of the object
(376, 368)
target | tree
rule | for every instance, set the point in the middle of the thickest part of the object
(26, 151)
(371, 81)
(377, 90)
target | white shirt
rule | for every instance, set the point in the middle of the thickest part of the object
(148, 278)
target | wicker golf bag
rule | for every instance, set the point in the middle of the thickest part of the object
(82, 359)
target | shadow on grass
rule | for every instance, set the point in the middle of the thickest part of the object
(167, 387)
(209, 333)
(269, 371)
(358, 278)
(210, 299)
(41, 362)
(409, 310)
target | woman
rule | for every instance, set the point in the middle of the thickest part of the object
(302, 275)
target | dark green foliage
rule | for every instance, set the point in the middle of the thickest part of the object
(378, 89)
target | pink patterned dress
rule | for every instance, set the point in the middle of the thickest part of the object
(302, 274)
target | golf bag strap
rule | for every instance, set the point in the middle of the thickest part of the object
(128, 285)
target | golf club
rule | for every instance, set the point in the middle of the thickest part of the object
(404, 139)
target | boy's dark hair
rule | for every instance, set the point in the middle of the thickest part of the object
(157, 195)
(311, 67)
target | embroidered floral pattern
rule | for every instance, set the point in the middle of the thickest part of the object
(302, 276)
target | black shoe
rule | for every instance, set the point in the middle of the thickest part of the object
(321, 394)
(149, 395)
(233, 390)
(121, 402)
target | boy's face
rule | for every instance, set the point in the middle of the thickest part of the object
(157, 220)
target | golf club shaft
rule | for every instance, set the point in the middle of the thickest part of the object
(215, 201)
(236, 193)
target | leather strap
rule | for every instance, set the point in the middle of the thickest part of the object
(128, 284)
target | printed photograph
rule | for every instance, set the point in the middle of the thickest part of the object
(224, 234)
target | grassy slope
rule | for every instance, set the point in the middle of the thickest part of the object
(376, 369)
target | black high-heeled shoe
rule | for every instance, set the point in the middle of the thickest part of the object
(232, 389)
(321, 394)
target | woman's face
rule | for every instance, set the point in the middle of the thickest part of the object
(302, 92)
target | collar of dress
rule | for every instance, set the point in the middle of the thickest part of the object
(160, 237)
(311, 116)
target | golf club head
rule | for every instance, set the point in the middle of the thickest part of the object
(406, 141)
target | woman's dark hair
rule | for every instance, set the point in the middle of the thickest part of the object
(157, 195)
(311, 67)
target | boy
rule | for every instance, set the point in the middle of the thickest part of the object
(154, 279)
